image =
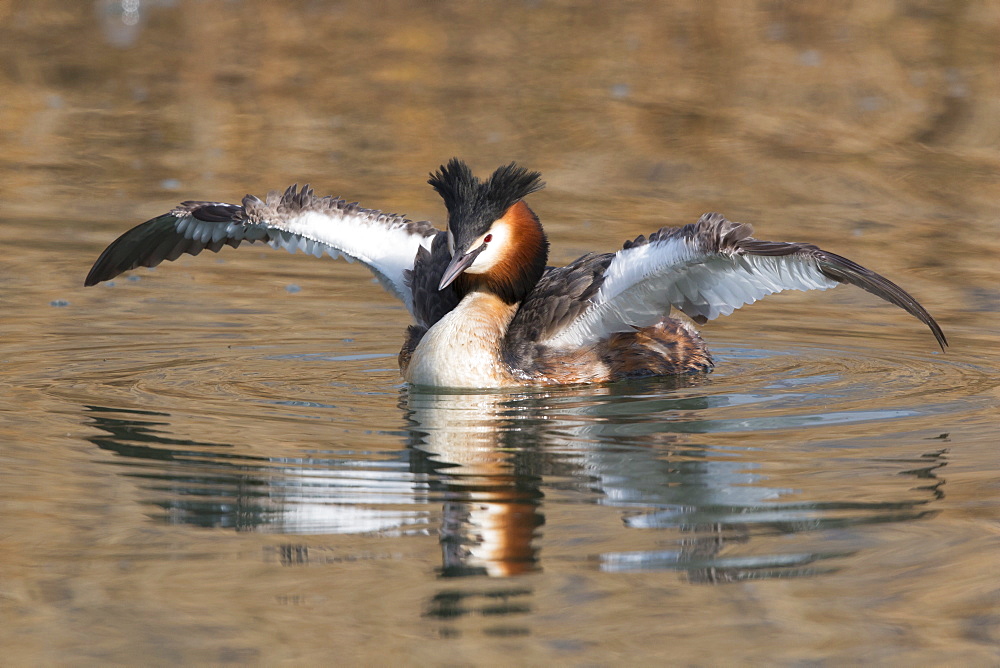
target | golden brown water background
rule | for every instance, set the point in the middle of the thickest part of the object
(215, 462)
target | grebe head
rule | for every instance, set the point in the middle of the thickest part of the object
(495, 240)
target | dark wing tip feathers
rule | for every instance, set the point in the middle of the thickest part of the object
(150, 243)
(126, 251)
(843, 270)
(846, 271)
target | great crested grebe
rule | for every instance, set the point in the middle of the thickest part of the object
(488, 312)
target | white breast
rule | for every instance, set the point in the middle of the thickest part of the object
(463, 348)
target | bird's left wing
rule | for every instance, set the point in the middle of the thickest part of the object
(294, 220)
(705, 270)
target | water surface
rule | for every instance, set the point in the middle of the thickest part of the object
(216, 462)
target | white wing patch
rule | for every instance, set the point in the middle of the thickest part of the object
(643, 283)
(387, 250)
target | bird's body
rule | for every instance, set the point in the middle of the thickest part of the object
(487, 310)
(465, 347)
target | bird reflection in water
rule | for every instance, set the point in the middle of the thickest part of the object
(486, 470)
(477, 468)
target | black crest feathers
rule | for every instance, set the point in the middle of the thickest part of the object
(478, 203)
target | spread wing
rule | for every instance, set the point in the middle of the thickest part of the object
(295, 220)
(705, 270)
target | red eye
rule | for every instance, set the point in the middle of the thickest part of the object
(488, 238)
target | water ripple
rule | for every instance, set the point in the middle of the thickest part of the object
(707, 471)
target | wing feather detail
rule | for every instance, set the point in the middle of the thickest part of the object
(710, 269)
(295, 220)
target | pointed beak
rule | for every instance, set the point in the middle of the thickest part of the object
(458, 264)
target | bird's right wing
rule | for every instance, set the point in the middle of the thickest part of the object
(295, 220)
